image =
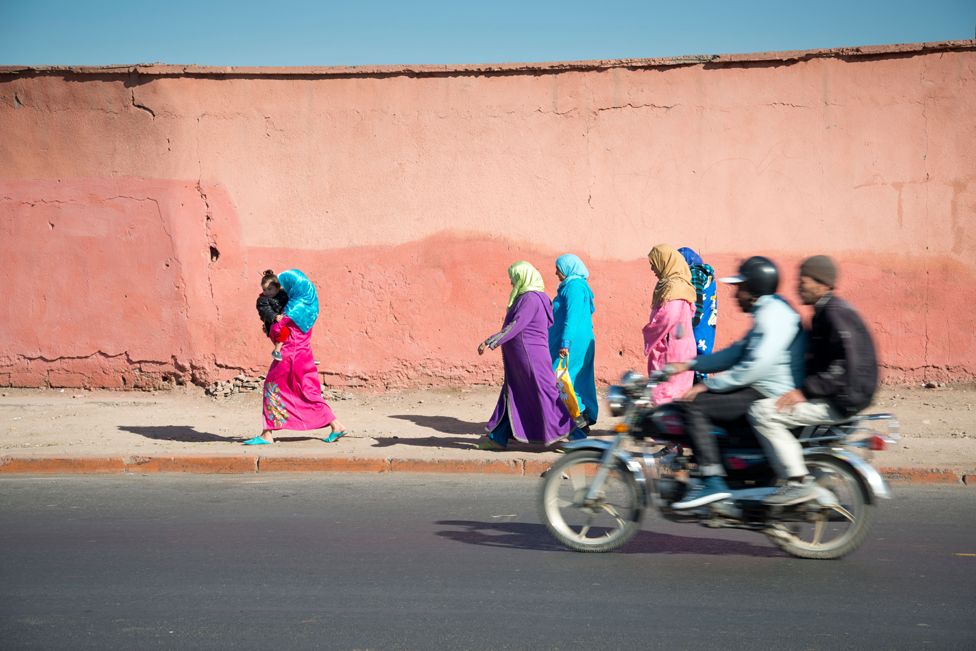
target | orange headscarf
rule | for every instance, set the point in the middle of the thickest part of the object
(674, 276)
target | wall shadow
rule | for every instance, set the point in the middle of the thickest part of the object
(530, 536)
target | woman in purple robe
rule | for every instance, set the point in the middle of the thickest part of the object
(529, 407)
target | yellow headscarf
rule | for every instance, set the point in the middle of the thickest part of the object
(674, 276)
(525, 278)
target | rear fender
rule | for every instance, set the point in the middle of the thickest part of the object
(870, 478)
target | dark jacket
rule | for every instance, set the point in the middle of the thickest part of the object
(842, 367)
(271, 306)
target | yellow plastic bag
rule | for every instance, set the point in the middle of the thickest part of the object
(566, 391)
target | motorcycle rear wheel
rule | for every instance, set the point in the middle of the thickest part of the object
(831, 533)
(602, 526)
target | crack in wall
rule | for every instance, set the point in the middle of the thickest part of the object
(925, 167)
(141, 107)
(133, 373)
(164, 224)
(212, 243)
(97, 354)
(544, 112)
(270, 126)
(656, 107)
(35, 202)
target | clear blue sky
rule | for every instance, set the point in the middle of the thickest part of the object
(353, 32)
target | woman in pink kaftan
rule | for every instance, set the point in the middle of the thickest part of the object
(292, 389)
(668, 335)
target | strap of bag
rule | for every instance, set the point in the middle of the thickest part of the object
(562, 366)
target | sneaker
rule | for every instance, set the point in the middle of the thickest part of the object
(793, 492)
(712, 489)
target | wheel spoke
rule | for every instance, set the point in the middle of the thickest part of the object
(586, 527)
(844, 512)
(609, 508)
(818, 529)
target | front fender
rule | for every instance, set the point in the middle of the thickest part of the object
(626, 458)
(875, 482)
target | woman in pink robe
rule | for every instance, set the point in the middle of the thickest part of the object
(292, 389)
(668, 335)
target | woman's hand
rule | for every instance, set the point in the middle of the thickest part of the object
(481, 347)
(564, 352)
(693, 392)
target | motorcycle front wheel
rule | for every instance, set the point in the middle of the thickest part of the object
(830, 532)
(601, 525)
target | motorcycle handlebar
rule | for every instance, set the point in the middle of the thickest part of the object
(662, 375)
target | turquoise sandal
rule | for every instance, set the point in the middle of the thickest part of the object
(334, 436)
(257, 440)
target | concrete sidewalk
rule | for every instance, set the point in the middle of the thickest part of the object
(72, 431)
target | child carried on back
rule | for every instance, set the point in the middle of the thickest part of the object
(271, 306)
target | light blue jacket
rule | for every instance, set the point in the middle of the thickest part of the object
(770, 358)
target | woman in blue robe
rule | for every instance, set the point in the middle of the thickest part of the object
(706, 305)
(571, 334)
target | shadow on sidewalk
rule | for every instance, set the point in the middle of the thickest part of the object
(446, 424)
(455, 442)
(450, 425)
(182, 433)
(525, 535)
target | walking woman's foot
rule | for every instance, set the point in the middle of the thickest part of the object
(334, 436)
(338, 431)
(488, 443)
(576, 435)
(258, 440)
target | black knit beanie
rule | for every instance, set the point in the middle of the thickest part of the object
(821, 268)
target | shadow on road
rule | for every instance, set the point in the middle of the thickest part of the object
(525, 535)
(183, 433)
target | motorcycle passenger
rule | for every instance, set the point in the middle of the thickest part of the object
(842, 376)
(766, 363)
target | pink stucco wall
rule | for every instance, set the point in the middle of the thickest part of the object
(138, 206)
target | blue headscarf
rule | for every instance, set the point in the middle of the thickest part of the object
(690, 256)
(303, 300)
(572, 267)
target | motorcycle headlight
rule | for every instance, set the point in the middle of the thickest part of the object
(618, 400)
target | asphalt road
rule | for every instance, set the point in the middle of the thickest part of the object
(440, 562)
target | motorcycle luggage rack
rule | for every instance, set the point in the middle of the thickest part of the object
(857, 427)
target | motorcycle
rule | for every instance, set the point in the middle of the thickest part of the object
(594, 498)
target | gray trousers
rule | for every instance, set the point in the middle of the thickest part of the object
(784, 451)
